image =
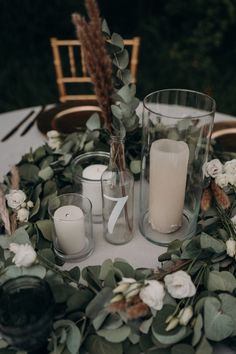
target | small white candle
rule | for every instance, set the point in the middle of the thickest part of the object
(93, 191)
(168, 174)
(70, 229)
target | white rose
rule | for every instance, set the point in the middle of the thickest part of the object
(53, 134)
(54, 143)
(222, 180)
(25, 255)
(213, 168)
(180, 285)
(230, 167)
(232, 179)
(22, 215)
(15, 198)
(153, 294)
(231, 247)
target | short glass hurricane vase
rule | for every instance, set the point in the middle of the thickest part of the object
(177, 126)
(117, 196)
(26, 313)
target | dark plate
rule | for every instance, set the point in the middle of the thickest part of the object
(66, 117)
(224, 134)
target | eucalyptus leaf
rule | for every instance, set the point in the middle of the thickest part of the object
(217, 324)
(125, 94)
(29, 172)
(228, 305)
(105, 28)
(98, 302)
(113, 321)
(159, 327)
(115, 335)
(78, 302)
(117, 40)
(3, 344)
(145, 325)
(45, 226)
(93, 122)
(212, 244)
(95, 344)
(122, 59)
(116, 111)
(46, 173)
(182, 349)
(12, 272)
(99, 319)
(125, 268)
(204, 347)
(197, 330)
(73, 339)
(224, 281)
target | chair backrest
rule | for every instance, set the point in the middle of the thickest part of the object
(70, 51)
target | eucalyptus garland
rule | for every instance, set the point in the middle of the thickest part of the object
(184, 306)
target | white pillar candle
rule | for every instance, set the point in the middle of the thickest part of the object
(70, 229)
(168, 174)
(93, 191)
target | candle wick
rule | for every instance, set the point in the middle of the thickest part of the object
(67, 214)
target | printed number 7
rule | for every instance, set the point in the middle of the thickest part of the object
(116, 211)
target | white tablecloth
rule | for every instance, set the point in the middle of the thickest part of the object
(139, 252)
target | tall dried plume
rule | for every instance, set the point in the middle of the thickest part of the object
(15, 184)
(98, 61)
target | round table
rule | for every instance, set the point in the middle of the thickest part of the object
(139, 252)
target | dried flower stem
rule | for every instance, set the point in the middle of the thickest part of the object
(220, 196)
(15, 178)
(4, 213)
(98, 62)
(206, 199)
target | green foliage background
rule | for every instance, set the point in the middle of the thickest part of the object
(186, 44)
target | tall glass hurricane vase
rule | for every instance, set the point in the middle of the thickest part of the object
(177, 126)
(117, 194)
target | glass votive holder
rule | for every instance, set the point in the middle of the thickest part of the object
(72, 231)
(25, 325)
(88, 169)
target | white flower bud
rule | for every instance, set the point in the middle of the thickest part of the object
(121, 288)
(54, 143)
(172, 324)
(123, 285)
(15, 198)
(116, 298)
(52, 134)
(22, 215)
(132, 290)
(30, 204)
(25, 255)
(231, 247)
(186, 315)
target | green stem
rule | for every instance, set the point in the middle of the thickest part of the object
(45, 262)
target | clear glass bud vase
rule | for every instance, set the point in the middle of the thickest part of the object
(117, 196)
